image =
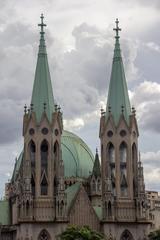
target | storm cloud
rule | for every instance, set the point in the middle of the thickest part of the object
(80, 44)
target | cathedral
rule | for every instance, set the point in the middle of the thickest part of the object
(56, 181)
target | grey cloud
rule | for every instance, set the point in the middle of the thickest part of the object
(80, 77)
(86, 69)
(151, 118)
(146, 98)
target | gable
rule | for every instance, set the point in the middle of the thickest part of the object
(82, 212)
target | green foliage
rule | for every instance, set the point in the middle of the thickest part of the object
(74, 232)
(154, 235)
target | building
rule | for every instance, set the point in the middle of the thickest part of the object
(56, 180)
(153, 198)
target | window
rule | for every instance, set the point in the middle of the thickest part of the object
(123, 169)
(44, 156)
(123, 153)
(32, 148)
(44, 235)
(109, 209)
(111, 153)
(99, 185)
(126, 235)
(44, 186)
(56, 154)
(94, 185)
(33, 185)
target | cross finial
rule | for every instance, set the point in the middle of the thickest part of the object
(117, 29)
(42, 24)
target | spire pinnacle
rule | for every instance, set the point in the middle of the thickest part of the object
(42, 94)
(118, 99)
(117, 29)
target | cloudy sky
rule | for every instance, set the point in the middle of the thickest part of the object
(80, 43)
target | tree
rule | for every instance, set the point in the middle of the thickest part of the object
(74, 232)
(154, 235)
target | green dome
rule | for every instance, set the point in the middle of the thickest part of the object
(78, 158)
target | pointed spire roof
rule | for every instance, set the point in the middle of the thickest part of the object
(42, 94)
(96, 167)
(118, 99)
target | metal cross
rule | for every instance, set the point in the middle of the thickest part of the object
(42, 24)
(117, 29)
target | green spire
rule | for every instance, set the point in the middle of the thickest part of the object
(96, 168)
(42, 94)
(118, 100)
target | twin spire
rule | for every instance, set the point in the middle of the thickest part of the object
(118, 100)
(42, 94)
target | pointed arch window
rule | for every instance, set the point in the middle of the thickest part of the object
(27, 208)
(33, 185)
(109, 209)
(134, 167)
(99, 185)
(44, 235)
(32, 151)
(44, 185)
(44, 156)
(111, 153)
(56, 154)
(134, 157)
(61, 208)
(126, 235)
(123, 152)
(123, 169)
(93, 185)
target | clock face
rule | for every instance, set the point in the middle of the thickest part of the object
(31, 131)
(45, 131)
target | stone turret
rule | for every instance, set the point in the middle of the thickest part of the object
(96, 182)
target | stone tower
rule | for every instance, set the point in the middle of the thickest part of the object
(123, 190)
(40, 195)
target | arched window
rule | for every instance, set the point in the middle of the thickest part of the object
(134, 157)
(123, 168)
(56, 154)
(44, 156)
(27, 208)
(111, 153)
(134, 167)
(33, 185)
(126, 235)
(32, 148)
(123, 152)
(61, 208)
(44, 235)
(93, 185)
(109, 209)
(44, 186)
(99, 185)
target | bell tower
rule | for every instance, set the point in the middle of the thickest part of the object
(42, 158)
(121, 172)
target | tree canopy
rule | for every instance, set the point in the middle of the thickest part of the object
(74, 232)
(155, 235)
